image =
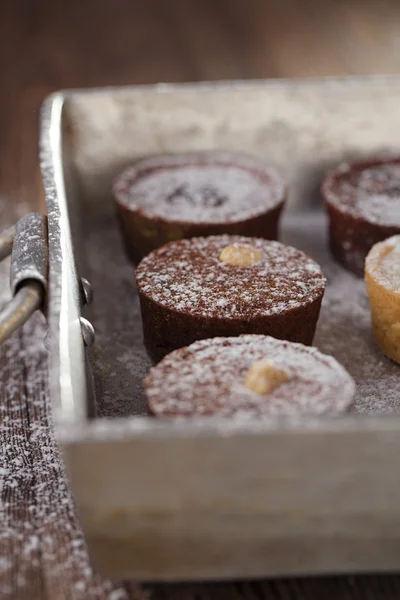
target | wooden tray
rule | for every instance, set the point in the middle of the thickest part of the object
(216, 499)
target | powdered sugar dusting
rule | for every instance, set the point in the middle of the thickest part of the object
(344, 328)
(208, 378)
(208, 187)
(120, 360)
(384, 263)
(370, 191)
(188, 275)
(42, 548)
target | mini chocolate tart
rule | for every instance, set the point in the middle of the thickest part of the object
(363, 204)
(248, 376)
(225, 286)
(171, 197)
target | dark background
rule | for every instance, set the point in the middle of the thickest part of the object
(51, 44)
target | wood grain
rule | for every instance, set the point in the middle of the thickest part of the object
(46, 45)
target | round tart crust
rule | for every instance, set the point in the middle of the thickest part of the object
(201, 288)
(382, 276)
(363, 204)
(209, 378)
(170, 197)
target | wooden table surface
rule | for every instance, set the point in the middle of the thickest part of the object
(49, 44)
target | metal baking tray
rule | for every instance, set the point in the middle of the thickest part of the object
(166, 500)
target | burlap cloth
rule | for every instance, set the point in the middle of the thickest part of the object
(42, 549)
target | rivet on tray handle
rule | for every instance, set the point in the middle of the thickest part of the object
(86, 291)
(27, 244)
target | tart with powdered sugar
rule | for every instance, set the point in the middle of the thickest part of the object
(247, 376)
(382, 276)
(363, 203)
(225, 286)
(177, 196)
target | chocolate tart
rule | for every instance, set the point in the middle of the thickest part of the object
(363, 204)
(171, 197)
(251, 376)
(225, 286)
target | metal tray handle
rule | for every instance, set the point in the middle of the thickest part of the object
(27, 244)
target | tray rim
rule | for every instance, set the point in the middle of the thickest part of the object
(73, 426)
(224, 84)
